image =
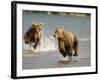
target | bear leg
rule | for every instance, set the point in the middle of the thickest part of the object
(69, 52)
(62, 48)
(75, 54)
(63, 52)
(76, 46)
(37, 41)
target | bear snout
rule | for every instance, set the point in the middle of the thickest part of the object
(54, 36)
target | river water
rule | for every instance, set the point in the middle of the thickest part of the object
(48, 56)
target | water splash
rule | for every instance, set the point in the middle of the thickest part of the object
(47, 44)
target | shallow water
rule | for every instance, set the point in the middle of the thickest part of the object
(80, 25)
(50, 59)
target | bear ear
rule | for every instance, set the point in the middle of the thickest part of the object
(57, 27)
(33, 23)
(41, 24)
(62, 27)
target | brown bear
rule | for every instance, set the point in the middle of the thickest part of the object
(67, 42)
(34, 34)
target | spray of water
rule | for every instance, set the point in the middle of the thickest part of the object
(47, 44)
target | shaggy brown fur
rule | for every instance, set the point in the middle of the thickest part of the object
(67, 42)
(34, 34)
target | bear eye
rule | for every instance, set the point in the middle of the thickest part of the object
(56, 31)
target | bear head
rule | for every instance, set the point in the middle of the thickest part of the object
(36, 27)
(59, 32)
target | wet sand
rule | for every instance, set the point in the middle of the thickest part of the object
(51, 59)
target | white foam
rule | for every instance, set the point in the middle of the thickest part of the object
(67, 58)
(47, 44)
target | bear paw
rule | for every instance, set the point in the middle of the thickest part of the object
(75, 54)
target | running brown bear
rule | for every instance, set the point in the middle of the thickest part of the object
(34, 34)
(67, 42)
